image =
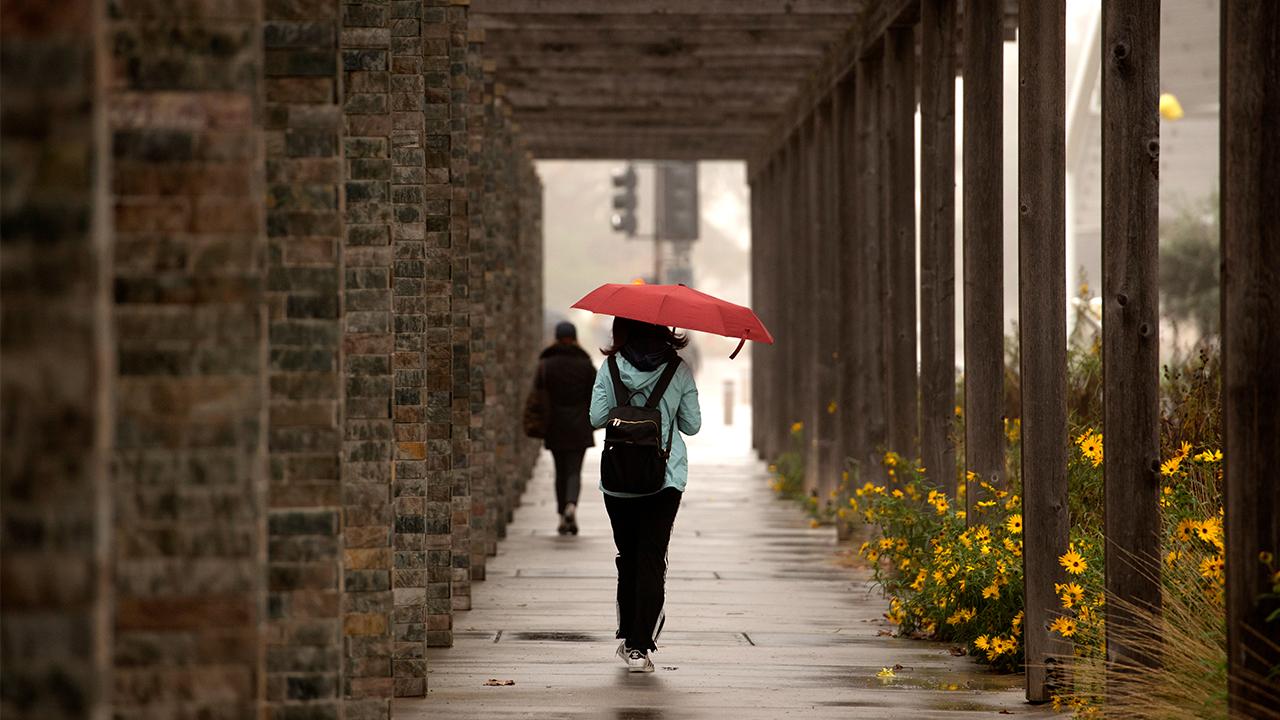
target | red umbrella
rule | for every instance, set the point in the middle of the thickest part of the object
(677, 306)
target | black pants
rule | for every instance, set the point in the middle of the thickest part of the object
(568, 476)
(642, 531)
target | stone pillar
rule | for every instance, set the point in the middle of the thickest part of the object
(481, 453)
(460, 313)
(189, 471)
(304, 229)
(368, 170)
(433, 255)
(56, 376)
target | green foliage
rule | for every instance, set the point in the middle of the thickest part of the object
(1189, 261)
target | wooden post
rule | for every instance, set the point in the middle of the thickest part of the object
(983, 243)
(1042, 328)
(847, 174)
(1250, 160)
(815, 366)
(937, 240)
(757, 181)
(899, 236)
(869, 365)
(788, 261)
(825, 309)
(1131, 320)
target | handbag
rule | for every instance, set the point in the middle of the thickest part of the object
(537, 407)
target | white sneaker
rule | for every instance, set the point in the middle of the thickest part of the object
(638, 661)
(623, 651)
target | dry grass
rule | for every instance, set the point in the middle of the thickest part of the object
(1189, 637)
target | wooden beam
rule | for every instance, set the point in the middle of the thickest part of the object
(621, 53)
(983, 243)
(1131, 318)
(939, 35)
(808, 243)
(1042, 192)
(829, 301)
(692, 68)
(899, 235)
(1250, 174)
(860, 38)
(724, 82)
(846, 8)
(526, 100)
(848, 177)
(576, 22)
(669, 37)
(869, 361)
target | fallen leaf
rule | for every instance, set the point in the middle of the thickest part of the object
(884, 633)
(1004, 712)
(669, 667)
(957, 651)
(494, 682)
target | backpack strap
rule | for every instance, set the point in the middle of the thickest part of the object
(655, 396)
(621, 395)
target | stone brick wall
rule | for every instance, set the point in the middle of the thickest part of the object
(56, 369)
(304, 171)
(189, 470)
(285, 309)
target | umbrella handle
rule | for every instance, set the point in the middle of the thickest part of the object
(738, 349)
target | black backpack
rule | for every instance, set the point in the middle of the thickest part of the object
(634, 460)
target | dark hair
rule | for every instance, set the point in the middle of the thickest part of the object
(642, 334)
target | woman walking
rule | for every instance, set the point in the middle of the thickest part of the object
(565, 372)
(641, 492)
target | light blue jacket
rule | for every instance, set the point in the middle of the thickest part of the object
(679, 401)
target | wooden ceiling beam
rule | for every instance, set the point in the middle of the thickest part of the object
(576, 22)
(526, 99)
(669, 35)
(792, 68)
(641, 85)
(669, 7)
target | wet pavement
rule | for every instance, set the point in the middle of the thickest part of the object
(763, 621)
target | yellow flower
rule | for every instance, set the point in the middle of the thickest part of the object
(1071, 593)
(1170, 466)
(1172, 557)
(814, 524)
(959, 411)
(941, 505)
(896, 493)
(1073, 563)
(886, 543)
(901, 544)
(1265, 557)
(1014, 523)
(1209, 456)
(773, 468)
(831, 408)
(991, 591)
(981, 642)
(918, 585)
(886, 673)
(1209, 530)
(961, 616)
(1066, 627)
(844, 475)
(1213, 568)
(1185, 530)
(1017, 623)
(890, 459)
(796, 427)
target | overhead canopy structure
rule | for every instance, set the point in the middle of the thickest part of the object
(669, 79)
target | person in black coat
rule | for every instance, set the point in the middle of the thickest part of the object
(567, 374)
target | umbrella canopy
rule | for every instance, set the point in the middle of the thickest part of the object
(677, 306)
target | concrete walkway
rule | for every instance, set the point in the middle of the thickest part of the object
(763, 621)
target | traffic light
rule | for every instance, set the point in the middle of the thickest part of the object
(677, 201)
(624, 201)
